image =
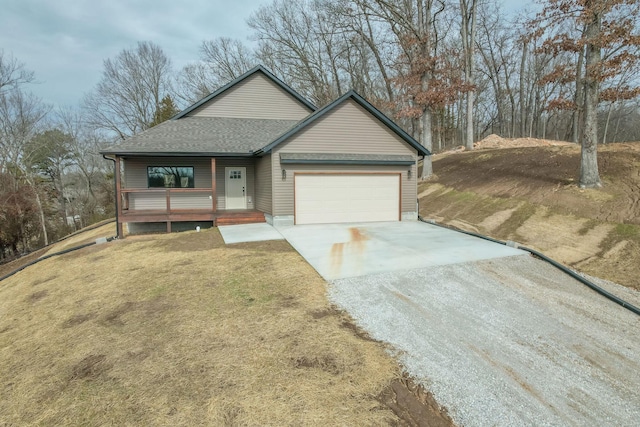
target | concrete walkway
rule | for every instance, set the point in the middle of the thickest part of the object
(242, 233)
(350, 250)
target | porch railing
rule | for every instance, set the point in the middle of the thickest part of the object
(166, 195)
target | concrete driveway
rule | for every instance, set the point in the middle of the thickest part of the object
(499, 338)
(348, 250)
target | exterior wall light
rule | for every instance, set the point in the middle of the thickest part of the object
(284, 174)
(409, 173)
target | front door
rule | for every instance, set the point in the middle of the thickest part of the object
(236, 188)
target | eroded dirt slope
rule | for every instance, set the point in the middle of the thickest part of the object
(527, 191)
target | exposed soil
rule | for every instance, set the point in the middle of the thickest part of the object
(414, 405)
(526, 190)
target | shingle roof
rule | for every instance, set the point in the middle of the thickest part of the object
(204, 136)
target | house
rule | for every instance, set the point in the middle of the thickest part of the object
(255, 150)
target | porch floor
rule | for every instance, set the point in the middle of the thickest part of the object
(220, 217)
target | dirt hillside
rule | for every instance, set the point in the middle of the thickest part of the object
(526, 190)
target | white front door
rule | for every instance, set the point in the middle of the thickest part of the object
(235, 184)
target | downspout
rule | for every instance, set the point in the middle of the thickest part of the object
(115, 192)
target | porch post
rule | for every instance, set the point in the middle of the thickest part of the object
(117, 179)
(214, 196)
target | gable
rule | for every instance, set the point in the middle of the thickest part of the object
(255, 97)
(349, 128)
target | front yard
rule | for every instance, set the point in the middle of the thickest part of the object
(181, 330)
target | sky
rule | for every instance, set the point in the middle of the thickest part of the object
(66, 41)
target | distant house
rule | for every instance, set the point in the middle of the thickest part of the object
(255, 150)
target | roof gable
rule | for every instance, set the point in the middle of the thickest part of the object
(370, 109)
(255, 94)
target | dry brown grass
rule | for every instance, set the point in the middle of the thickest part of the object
(181, 330)
(106, 230)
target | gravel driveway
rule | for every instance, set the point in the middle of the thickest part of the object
(506, 342)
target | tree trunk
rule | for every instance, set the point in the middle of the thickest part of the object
(579, 100)
(427, 142)
(606, 124)
(523, 115)
(589, 176)
(43, 222)
(468, 32)
(469, 135)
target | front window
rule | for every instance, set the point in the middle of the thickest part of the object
(170, 176)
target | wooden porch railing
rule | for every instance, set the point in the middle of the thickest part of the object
(167, 192)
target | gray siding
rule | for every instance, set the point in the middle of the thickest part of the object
(135, 170)
(256, 98)
(135, 176)
(348, 129)
(264, 184)
(191, 201)
(151, 201)
(144, 201)
(221, 163)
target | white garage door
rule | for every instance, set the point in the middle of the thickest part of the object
(335, 198)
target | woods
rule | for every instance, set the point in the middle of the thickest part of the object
(448, 72)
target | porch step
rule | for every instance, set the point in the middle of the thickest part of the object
(240, 218)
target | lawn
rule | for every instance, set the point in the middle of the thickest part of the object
(182, 330)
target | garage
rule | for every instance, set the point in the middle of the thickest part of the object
(346, 197)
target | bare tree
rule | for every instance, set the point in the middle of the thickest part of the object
(21, 118)
(221, 60)
(468, 10)
(130, 90)
(49, 154)
(194, 82)
(12, 73)
(609, 26)
(361, 29)
(227, 58)
(88, 175)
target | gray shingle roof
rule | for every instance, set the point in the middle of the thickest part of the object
(203, 135)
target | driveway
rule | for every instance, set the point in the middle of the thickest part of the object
(499, 338)
(339, 251)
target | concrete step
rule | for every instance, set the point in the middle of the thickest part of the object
(235, 220)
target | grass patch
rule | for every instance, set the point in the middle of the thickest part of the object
(508, 229)
(464, 196)
(465, 205)
(589, 225)
(627, 231)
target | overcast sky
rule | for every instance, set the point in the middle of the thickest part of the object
(65, 41)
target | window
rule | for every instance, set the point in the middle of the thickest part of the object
(170, 176)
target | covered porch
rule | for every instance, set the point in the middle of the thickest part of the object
(193, 189)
